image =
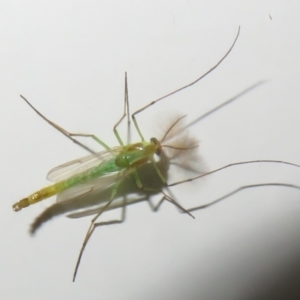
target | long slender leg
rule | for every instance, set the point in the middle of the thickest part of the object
(66, 133)
(128, 111)
(182, 88)
(165, 197)
(234, 164)
(125, 113)
(244, 187)
(94, 225)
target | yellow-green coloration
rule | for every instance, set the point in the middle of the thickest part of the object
(129, 157)
(40, 195)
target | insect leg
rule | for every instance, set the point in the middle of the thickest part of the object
(125, 113)
(182, 88)
(234, 164)
(93, 225)
(155, 191)
(244, 187)
(66, 133)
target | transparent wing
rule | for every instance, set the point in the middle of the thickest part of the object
(91, 187)
(82, 164)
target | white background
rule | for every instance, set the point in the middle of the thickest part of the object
(68, 58)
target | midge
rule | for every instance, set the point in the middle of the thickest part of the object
(101, 170)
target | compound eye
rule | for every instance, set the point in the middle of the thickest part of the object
(157, 145)
(154, 141)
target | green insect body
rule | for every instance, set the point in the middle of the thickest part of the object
(121, 160)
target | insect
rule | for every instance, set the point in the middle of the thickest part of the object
(106, 171)
(124, 159)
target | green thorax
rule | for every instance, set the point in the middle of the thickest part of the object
(135, 155)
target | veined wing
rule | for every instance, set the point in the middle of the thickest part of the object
(82, 164)
(92, 187)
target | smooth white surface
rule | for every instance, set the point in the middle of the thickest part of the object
(68, 58)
